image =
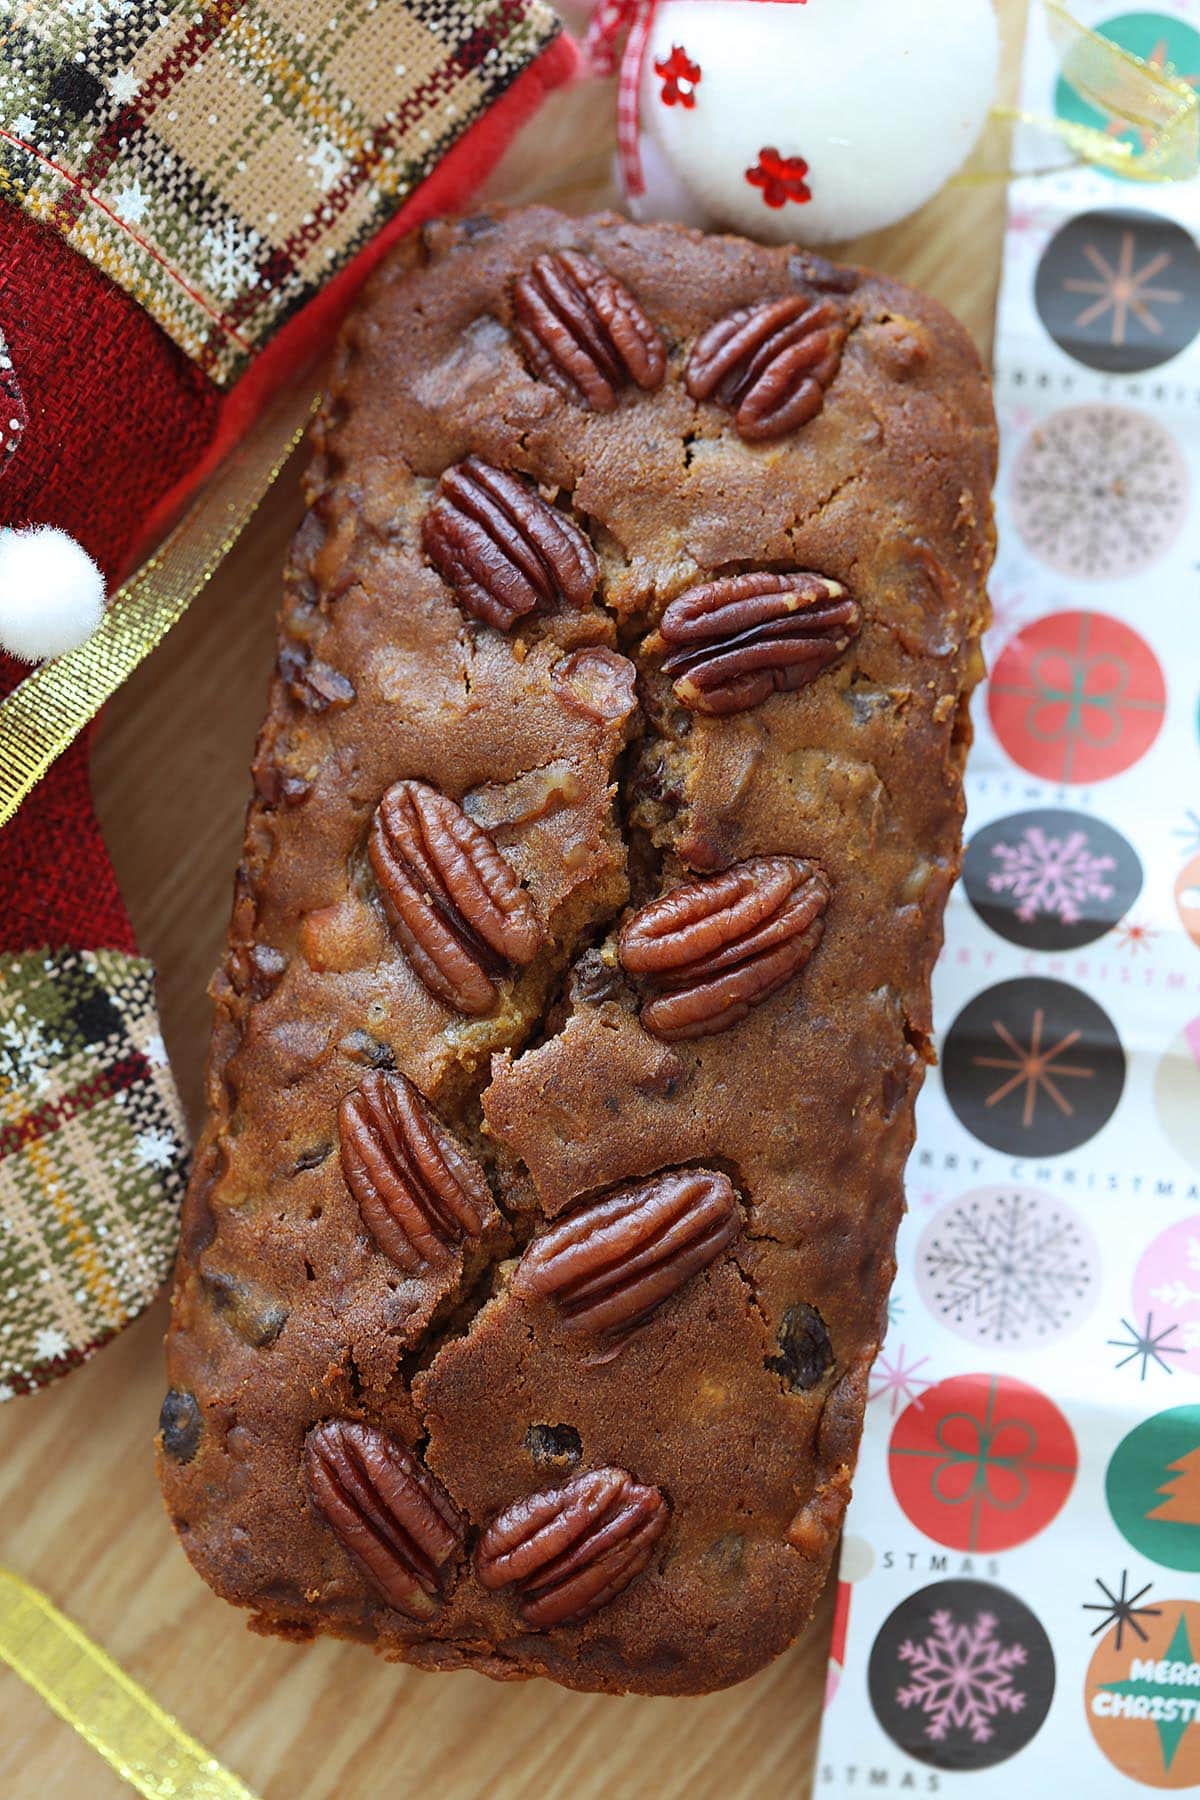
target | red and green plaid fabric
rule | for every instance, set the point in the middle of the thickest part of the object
(92, 1157)
(222, 160)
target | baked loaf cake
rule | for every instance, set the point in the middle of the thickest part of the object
(577, 993)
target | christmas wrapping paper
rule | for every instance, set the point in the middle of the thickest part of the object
(1018, 1607)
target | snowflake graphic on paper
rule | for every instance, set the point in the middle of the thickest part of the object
(1050, 876)
(1008, 1267)
(1147, 1346)
(1189, 832)
(1100, 491)
(1183, 1293)
(898, 1381)
(1121, 1609)
(231, 255)
(30, 1054)
(961, 1676)
(1123, 287)
(1135, 936)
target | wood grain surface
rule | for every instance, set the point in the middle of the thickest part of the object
(80, 1513)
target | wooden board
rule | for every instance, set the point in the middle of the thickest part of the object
(80, 1513)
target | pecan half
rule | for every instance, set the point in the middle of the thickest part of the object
(502, 549)
(584, 332)
(747, 636)
(571, 1550)
(417, 1189)
(455, 903)
(769, 364)
(611, 1263)
(713, 949)
(387, 1511)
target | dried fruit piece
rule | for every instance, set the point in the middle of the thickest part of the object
(554, 1446)
(584, 332)
(456, 904)
(313, 683)
(711, 950)
(502, 549)
(745, 637)
(571, 1550)
(805, 1352)
(417, 1189)
(246, 1308)
(611, 1263)
(387, 1511)
(769, 364)
(180, 1424)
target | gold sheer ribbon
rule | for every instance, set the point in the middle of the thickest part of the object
(52, 705)
(145, 1745)
(1154, 103)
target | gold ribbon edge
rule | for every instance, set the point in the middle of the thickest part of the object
(1130, 91)
(51, 706)
(86, 1688)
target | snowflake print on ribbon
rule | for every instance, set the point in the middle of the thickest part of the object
(1008, 1267)
(1033, 1067)
(961, 1675)
(1077, 697)
(680, 78)
(982, 1463)
(231, 253)
(1050, 879)
(1120, 291)
(13, 416)
(1100, 492)
(781, 178)
(1166, 1288)
(29, 1055)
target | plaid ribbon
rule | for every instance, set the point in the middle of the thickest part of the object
(92, 1157)
(221, 160)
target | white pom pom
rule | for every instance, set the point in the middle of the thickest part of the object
(51, 593)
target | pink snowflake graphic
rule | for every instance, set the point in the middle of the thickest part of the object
(898, 1381)
(1053, 876)
(961, 1676)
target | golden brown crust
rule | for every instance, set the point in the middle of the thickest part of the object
(739, 1398)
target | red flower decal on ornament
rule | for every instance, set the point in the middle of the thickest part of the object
(680, 78)
(781, 178)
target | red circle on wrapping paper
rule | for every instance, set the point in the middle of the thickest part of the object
(982, 1462)
(1077, 697)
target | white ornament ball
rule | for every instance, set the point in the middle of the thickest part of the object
(809, 120)
(51, 593)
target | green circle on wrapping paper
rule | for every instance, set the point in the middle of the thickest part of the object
(1157, 39)
(1153, 1488)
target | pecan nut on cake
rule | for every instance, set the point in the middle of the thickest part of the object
(577, 993)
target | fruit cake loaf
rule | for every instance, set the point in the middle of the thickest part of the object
(577, 992)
